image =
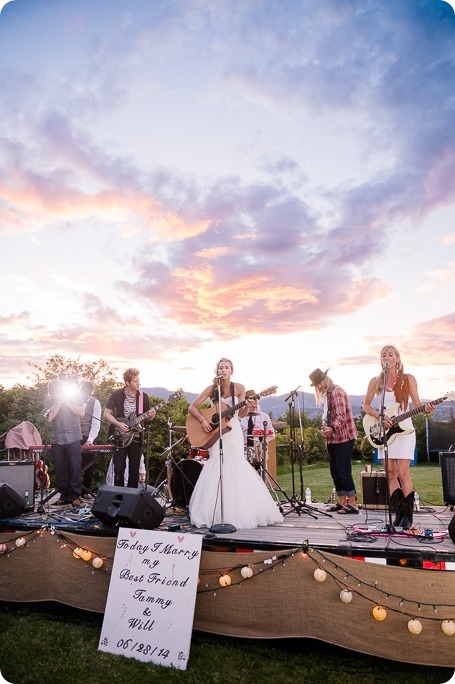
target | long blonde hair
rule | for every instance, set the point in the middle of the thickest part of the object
(402, 384)
(320, 395)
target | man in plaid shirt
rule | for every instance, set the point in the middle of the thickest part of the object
(339, 429)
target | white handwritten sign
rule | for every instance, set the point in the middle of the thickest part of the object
(152, 593)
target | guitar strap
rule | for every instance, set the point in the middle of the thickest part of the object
(232, 394)
(329, 410)
(140, 403)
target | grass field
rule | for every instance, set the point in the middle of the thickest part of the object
(54, 644)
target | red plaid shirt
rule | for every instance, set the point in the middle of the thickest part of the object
(342, 418)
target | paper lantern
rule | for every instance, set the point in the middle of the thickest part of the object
(77, 552)
(246, 572)
(86, 554)
(3, 548)
(97, 562)
(345, 596)
(415, 626)
(379, 613)
(224, 580)
(20, 541)
(448, 627)
(320, 575)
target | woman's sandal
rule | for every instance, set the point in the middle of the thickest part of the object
(334, 509)
(350, 510)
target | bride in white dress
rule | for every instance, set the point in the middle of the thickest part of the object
(246, 500)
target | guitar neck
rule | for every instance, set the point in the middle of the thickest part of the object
(415, 411)
(239, 405)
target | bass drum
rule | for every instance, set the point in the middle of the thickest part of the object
(184, 476)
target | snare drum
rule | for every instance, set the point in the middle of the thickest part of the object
(184, 476)
(197, 454)
(260, 433)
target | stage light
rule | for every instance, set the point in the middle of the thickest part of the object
(86, 555)
(69, 391)
(77, 552)
(97, 562)
(246, 572)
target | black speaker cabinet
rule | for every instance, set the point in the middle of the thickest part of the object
(127, 507)
(452, 529)
(447, 460)
(11, 503)
(20, 475)
(374, 490)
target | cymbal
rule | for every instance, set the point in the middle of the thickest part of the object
(179, 428)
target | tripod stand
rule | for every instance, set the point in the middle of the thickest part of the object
(270, 481)
(298, 505)
(163, 487)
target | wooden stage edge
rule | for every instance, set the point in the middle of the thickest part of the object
(310, 575)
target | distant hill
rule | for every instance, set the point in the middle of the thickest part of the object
(276, 406)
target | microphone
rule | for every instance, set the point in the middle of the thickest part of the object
(387, 364)
(218, 377)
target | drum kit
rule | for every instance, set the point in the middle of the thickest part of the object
(181, 475)
(256, 449)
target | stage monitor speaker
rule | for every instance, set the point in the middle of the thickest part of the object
(447, 460)
(452, 529)
(127, 507)
(374, 490)
(20, 475)
(11, 503)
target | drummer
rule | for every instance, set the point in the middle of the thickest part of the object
(253, 423)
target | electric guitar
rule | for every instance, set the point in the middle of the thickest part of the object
(123, 439)
(372, 425)
(204, 440)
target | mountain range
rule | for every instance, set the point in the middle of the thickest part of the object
(277, 405)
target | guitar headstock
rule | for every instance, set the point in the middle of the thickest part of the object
(174, 396)
(267, 392)
(449, 396)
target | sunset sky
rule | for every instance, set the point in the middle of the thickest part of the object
(267, 180)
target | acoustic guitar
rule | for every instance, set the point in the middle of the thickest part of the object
(204, 440)
(123, 439)
(372, 425)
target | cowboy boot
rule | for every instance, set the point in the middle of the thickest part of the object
(408, 510)
(396, 506)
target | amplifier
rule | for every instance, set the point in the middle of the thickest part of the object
(447, 461)
(374, 490)
(20, 476)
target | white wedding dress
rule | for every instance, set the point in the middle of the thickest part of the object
(247, 502)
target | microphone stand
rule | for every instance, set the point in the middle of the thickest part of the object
(222, 527)
(382, 431)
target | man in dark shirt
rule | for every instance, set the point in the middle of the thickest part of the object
(125, 403)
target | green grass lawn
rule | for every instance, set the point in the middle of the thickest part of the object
(53, 644)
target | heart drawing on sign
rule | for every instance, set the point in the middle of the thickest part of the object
(132, 533)
(180, 538)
